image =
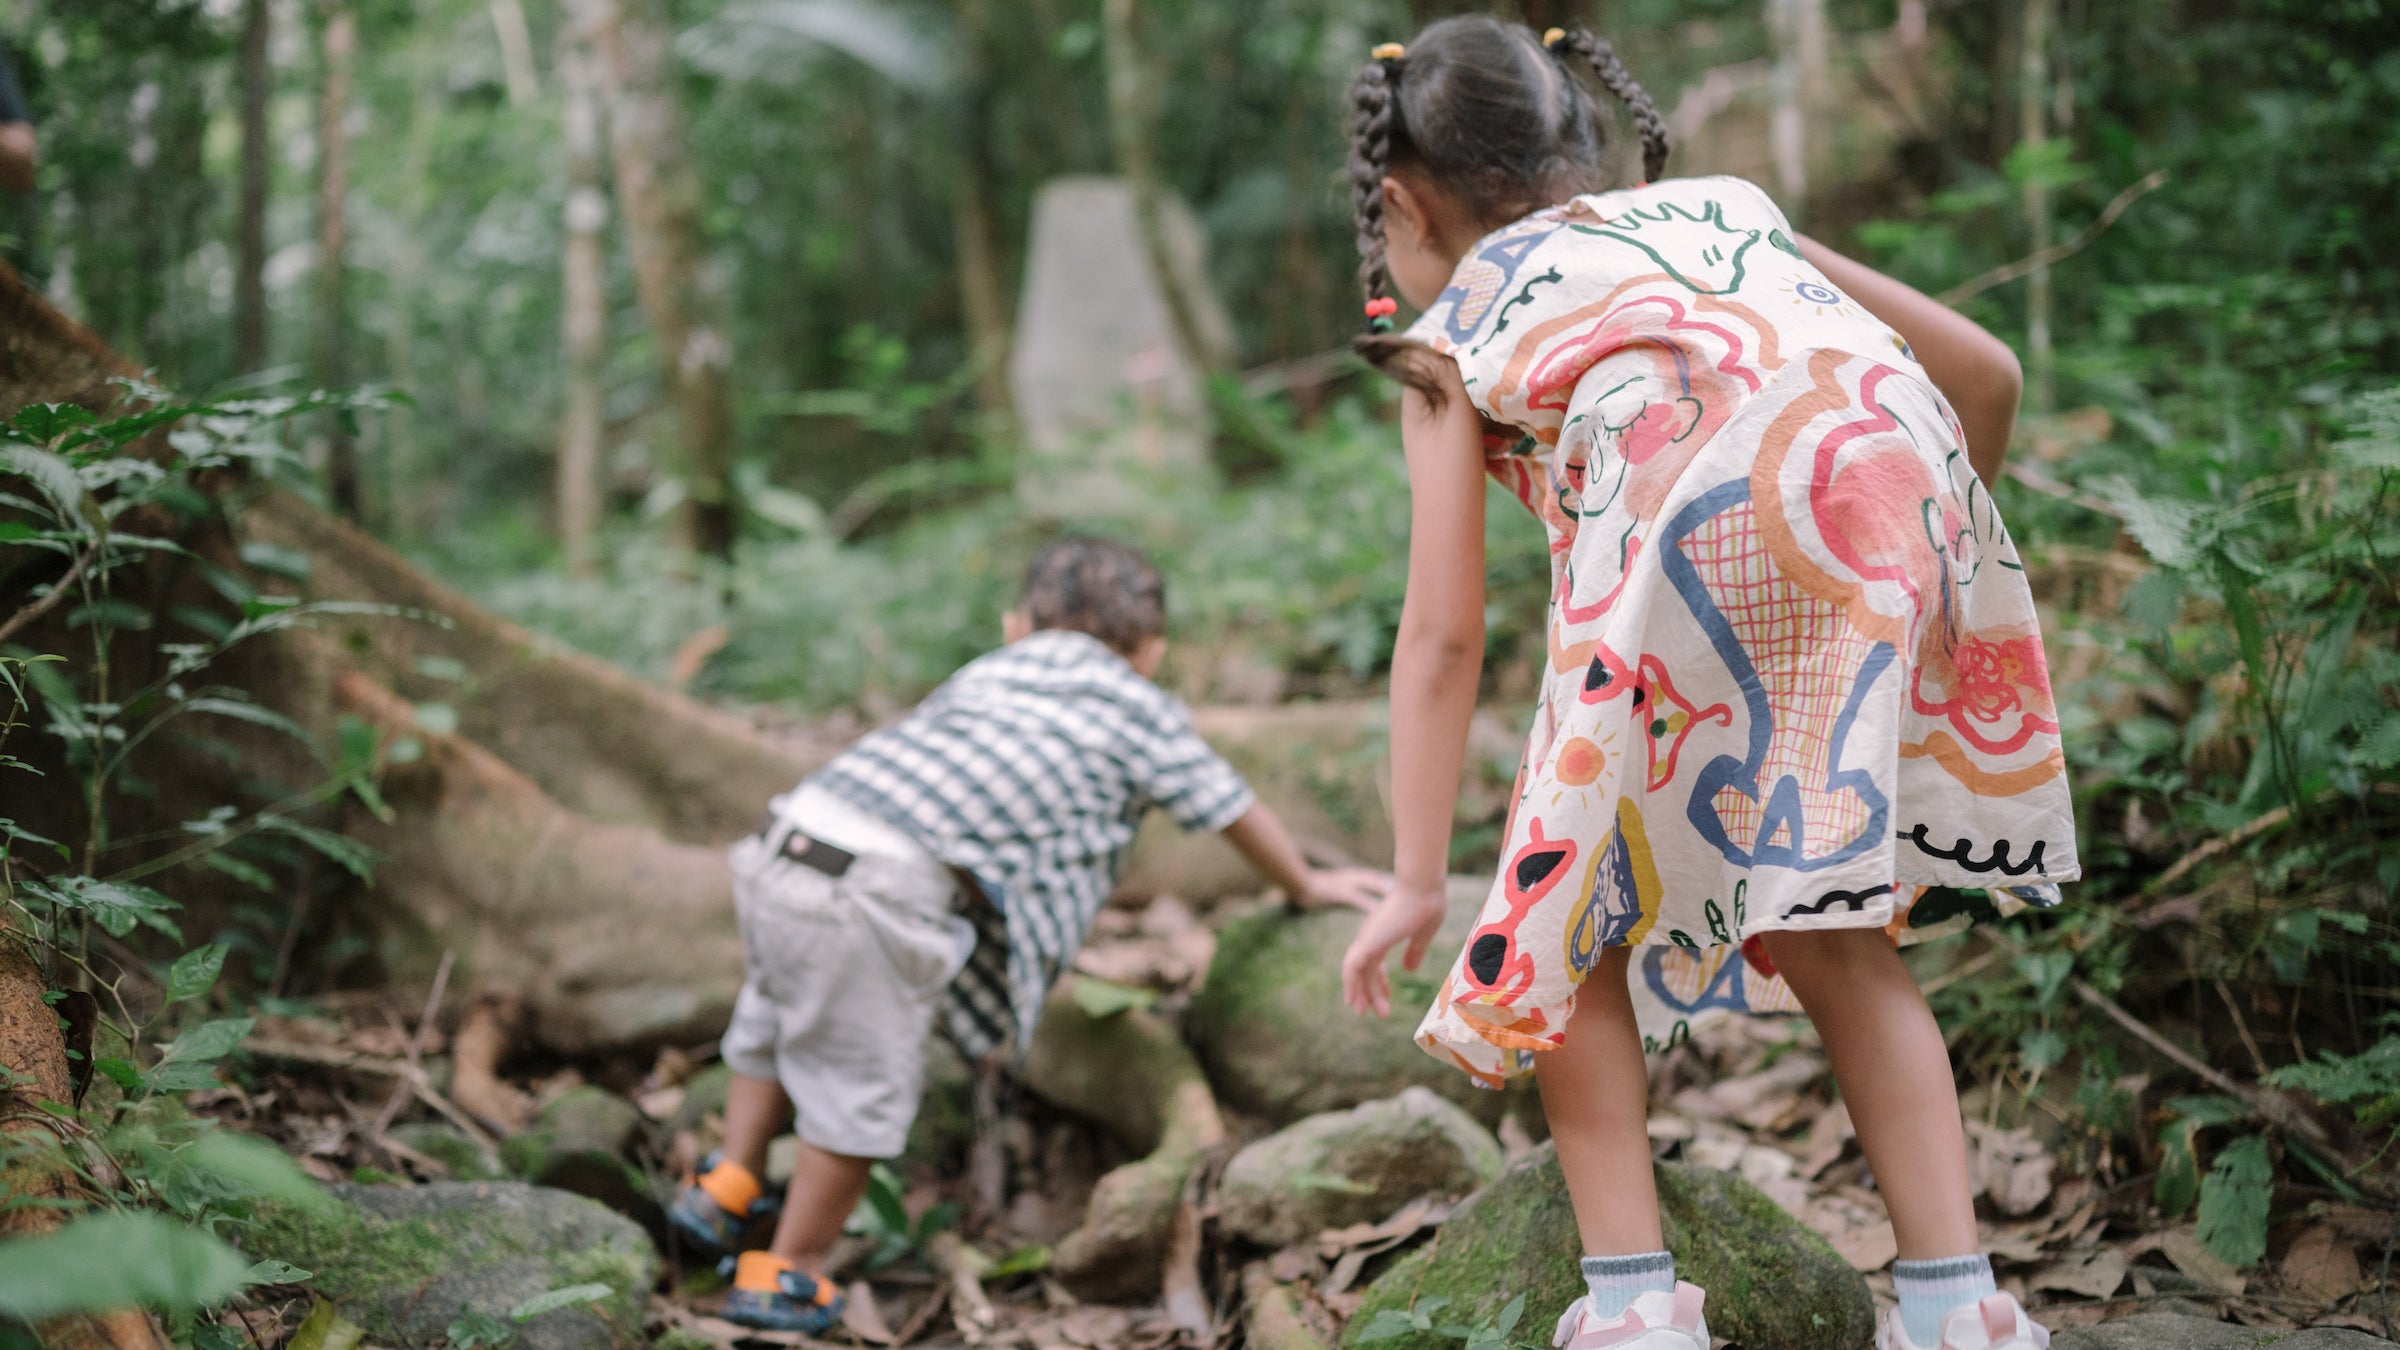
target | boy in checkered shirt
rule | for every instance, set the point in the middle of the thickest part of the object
(947, 867)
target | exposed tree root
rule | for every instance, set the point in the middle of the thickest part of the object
(1130, 1074)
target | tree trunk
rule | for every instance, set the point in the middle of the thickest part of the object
(339, 41)
(583, 313)
(1798, 27)
(250, 231)
(516, 53)
(2033, 97)
(1132, 104)
(983, 301)
(659, 192)
(35, 1055)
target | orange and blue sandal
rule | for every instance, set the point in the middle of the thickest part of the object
(772, 1294)
(715, 1205)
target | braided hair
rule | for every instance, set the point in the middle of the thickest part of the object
(1370, 154)
(1496, 117)
(1596, 52)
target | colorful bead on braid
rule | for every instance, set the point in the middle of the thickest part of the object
(1379, 313)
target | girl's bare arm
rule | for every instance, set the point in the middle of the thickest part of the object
(1974, 370)
(1436, 665)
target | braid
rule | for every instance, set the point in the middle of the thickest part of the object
(1370, 152)
(1602, 58)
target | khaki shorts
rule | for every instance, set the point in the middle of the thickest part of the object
(843, 974)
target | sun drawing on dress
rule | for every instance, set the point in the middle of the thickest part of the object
(1819, 297)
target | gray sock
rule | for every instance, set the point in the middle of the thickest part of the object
(1929, 1290)
(1616, 1281)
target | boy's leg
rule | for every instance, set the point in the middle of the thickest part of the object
(756, 1110)
(1894, 1072)
(825, 1188)
(1596, 1096)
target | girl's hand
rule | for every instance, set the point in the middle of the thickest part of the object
(1357, 887)
(1410, 913)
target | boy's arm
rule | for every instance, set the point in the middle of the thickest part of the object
(1974, 370)
(1437, 663)
(1261, 837)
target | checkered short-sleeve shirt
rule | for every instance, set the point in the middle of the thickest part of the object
(1031, 768)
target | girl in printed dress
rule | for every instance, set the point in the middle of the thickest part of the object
(1794, 679)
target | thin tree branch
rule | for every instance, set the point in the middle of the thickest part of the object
(58, 591)
(2008, 272)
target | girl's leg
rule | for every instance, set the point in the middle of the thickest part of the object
(756, 1110)
(1894, 1072)
(1596, 1095)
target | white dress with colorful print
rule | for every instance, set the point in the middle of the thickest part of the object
(1795, 676)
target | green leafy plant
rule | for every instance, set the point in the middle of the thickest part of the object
(1496, 1332)
(882, 1215)
(105, 495)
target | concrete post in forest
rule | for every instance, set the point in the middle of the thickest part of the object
(1106, 395)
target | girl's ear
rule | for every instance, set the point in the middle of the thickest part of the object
(1405, 209)
(1148, 657)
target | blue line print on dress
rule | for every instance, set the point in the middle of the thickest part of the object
(1726, 988)
(1781, 814)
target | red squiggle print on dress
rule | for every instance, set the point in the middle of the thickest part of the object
(1671, 718)
(1990, 678)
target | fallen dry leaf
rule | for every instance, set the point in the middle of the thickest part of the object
(862, 1318)
(2093, 1272)
(1827, 1138)
(2010, 1166)
(1862, 1234)
(2182, 1247)
(2321, 1264)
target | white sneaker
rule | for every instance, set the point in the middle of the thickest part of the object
(1996, 1323)
(1657, 1321)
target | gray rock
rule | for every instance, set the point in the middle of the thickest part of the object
(1278, 1042)
(449, 1145)
(578, 1142)
(1355, 1166)
(406, 1261)
(1770, 1282)
(2180, 1331)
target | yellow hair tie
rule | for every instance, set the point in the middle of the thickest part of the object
(1389, 51)
(1550, 39)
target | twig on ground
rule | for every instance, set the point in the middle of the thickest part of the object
(2265, 1106)
(2056, 253)
(963, 1268)
(2258, 1062)
(416, 1046)
(923, 1316)
(352, 1061)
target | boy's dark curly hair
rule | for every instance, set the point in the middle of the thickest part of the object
(1497, 118)
(1096, 586)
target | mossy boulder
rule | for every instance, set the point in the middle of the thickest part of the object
(1770, 1282)
(404, 1262)
(450, 1146)
(1278, 1042)
(578, 1142)
(1354, 1166)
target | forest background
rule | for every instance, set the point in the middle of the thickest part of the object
(696, 319)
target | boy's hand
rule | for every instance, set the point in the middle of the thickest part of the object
(1357, 887)
(1408, 914)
